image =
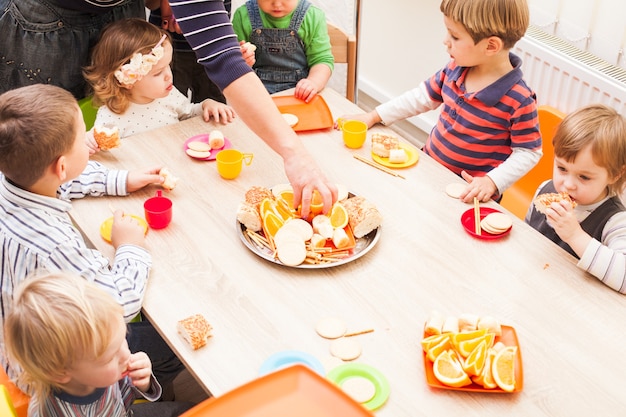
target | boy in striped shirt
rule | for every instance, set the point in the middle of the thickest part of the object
(44, 163)
(488, 130)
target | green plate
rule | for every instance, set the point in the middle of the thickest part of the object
(344, 372)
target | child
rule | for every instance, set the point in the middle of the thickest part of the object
(131, 77)
(590, 166)
(68, 336)
(292, 44)
(44, 163)
(488, 129)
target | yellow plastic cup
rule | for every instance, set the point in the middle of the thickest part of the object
(354, 133)
(230, 161)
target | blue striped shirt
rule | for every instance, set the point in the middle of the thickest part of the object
(36, 233)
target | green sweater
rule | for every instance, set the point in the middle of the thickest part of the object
(313, 32)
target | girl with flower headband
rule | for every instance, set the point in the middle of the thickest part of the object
(132, 82)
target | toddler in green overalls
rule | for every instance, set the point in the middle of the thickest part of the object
(293, 47)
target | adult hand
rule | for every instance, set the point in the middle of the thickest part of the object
(305, 177)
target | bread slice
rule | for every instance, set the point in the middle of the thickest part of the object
(382, 144)
(195, 330)
(364, 216)
(543, 201)
(106, 137)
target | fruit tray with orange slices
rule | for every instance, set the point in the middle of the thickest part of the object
(449, 363)
(321, 241)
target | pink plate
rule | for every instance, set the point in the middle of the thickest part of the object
(205, 138)
(467, 220)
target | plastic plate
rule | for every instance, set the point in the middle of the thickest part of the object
(467, 220)
(291, 357)
(342, 373)
(413, 157)
(105, 227)
(205, 138)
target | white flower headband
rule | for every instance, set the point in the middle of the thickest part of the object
(140, 65)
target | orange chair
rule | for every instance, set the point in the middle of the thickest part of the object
(6, 405)
(519, 196)
(19, 400)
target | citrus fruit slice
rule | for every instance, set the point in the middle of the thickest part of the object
(437, 349)
(271, 223)
(431, 341)
(466, 347)
(448, 370)
(287, 197)
(317, 203)
(283, 209)
(338, 216)
(503, 368)
(486, 378)
(467, 335)
(267, 205)
(475, 362)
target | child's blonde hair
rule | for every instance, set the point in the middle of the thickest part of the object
(119, 41)
(37, 126)
(57, 319)
(506, 19)
(604, 129)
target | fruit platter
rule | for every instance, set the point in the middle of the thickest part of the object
(273, 229)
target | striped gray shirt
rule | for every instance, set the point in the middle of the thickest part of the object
(36, 233)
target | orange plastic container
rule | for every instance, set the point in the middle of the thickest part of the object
(292, 391)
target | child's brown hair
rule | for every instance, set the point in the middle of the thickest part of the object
(506, 19)
(37, 126)
(602, 128)
(119, 41)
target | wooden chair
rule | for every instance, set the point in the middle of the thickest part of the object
(518, 197)
(344, 50)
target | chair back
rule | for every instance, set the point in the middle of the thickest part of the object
(344, 50)
(88, 110)
(518, 197)
(12, 399)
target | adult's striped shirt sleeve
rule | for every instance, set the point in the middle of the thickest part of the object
(209, 32)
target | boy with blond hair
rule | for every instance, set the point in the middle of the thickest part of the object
(488, 130)
(44, 163)
(68, 335)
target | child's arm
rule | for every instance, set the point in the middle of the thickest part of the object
(220, 112)
(606, 260)
(307, 88)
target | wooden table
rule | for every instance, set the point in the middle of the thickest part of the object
(570, 326)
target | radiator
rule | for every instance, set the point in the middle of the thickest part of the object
(567, 78)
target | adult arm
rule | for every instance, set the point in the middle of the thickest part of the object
(209, 32)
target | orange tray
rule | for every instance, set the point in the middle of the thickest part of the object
(509, 338)
(293, 391)
(313, 115)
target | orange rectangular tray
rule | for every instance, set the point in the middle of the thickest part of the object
(313, 115)
(288, 392)
(509, 338)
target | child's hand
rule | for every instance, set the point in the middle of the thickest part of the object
(562, 218)
(140, 370)
(370, 119)
(91, 142)
(220, 112)
(306, 90)
(139, 179)
(482, 188)
(126, 230)
(247, 51)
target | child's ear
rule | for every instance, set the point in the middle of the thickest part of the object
(494, 44)
(62, 377)
(60, 168)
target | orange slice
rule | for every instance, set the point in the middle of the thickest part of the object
(437, 349)
(338, 216)
(267, 205)
(466, 347)
(284, 210)
(503, 368)
(430, 341)
(475, 362)
(486, 378)
(317, 204)
(448, 370)
(287, 197)
(271, 223)
(468, 335)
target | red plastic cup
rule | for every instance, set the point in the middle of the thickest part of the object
(158, 211)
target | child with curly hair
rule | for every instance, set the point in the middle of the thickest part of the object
(133, 85)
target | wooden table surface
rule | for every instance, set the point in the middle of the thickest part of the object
(571, 328)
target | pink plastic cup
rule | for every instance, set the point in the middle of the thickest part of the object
(158, 211)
